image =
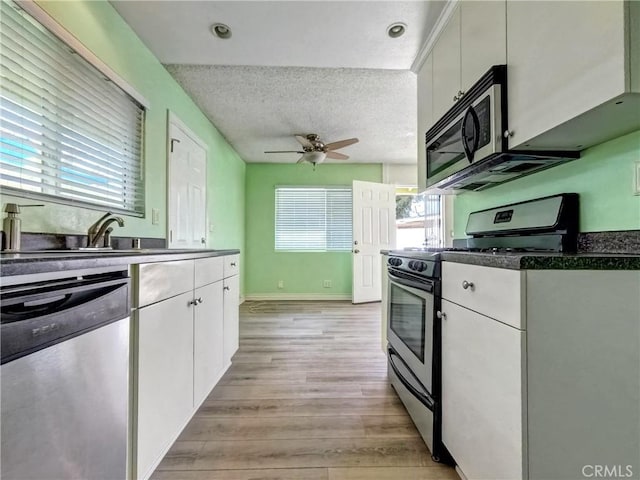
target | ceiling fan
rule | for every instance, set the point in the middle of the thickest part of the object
(314, 151)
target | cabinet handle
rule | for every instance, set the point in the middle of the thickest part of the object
(455, 98)
(199, 300)
(233, 264)
(467, 285)
(508, 133)
(441, 315)
(226, 288)
(192, 302)
(460, 94)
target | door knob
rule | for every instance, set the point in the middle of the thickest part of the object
(203, 240)
(356, 251)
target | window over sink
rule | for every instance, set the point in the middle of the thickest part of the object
(69, 132)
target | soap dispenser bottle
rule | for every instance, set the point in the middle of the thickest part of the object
(11, 226)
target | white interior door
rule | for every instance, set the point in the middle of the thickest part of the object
(187, 185)
(374, 229)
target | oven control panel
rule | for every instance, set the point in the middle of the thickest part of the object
(428, 268)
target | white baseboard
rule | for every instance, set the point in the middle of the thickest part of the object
(242, 299)
(298, 296)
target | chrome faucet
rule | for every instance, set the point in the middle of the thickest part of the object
(100, 228)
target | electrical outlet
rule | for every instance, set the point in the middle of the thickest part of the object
(155, 216)
(280, 283)
(326, 284)
(636, 190)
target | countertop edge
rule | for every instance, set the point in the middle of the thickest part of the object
(14, 264)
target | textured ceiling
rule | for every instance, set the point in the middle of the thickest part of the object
(295, 67)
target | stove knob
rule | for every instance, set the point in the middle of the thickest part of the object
(412, 265)
(422, 266)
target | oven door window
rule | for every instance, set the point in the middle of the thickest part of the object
(407, 315)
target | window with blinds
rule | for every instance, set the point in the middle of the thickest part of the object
(313, 219)
(67, 133)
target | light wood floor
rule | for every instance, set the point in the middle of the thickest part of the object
(306, 398)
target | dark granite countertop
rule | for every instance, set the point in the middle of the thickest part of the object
(547, 261)
(24, 263)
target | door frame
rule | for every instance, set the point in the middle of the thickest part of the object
(174, 120)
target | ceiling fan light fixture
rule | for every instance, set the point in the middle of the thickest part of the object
(315, 157)
(396, 30)
(221, 30)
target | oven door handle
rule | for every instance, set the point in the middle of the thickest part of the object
(426, 400)
(426, 285)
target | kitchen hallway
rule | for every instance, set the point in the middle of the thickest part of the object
(306, 398)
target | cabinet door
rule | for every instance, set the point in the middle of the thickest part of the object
(446, 66)
(207, 340)
(231, 317)
(483, 39)
(165, 377)
(425, 117)
(564, 59)
(482, 394)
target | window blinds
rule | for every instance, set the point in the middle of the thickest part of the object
(67, 133)
(313, 219)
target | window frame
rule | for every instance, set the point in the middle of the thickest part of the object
(40, 16)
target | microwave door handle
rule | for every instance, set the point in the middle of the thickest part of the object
(470, 133)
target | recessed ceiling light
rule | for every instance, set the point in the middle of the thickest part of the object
(221, 30)
(396, 30)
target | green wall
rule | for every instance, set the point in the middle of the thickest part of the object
(302, 272)
(99, 27)
(603, 177)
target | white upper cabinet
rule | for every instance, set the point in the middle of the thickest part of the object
(446, 66)
(483, 39)
(425, 117)
(570, 65)
(472, 41)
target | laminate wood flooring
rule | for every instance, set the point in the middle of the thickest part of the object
(306, 398)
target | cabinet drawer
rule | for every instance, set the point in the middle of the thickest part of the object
(231, 265)
(495, 292)
(158, 281)
(208, 270)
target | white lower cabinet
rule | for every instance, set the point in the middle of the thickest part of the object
(231, 317)
(540, 371)
(482, 378)
(164, 377)
(207, 340)
(185, 331)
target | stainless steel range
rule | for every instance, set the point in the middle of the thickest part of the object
(547, 224)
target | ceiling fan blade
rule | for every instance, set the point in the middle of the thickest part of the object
(304, 141)
(341, 144)
(302, 160)
(283, 151)
(337, 155)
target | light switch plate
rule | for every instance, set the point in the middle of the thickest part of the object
(155, 216)
(637, 179)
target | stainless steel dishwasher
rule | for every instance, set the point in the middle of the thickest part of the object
(64, 376)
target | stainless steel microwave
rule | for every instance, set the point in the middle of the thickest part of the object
(467, 149)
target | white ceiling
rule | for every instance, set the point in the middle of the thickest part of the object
(295, 67)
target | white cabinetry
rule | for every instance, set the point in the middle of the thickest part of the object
(471, 42)
(425, 119)
(525, 403)
(572, 62)
(482, 374)
(231, 299)
(165, 377)
(181, 337)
